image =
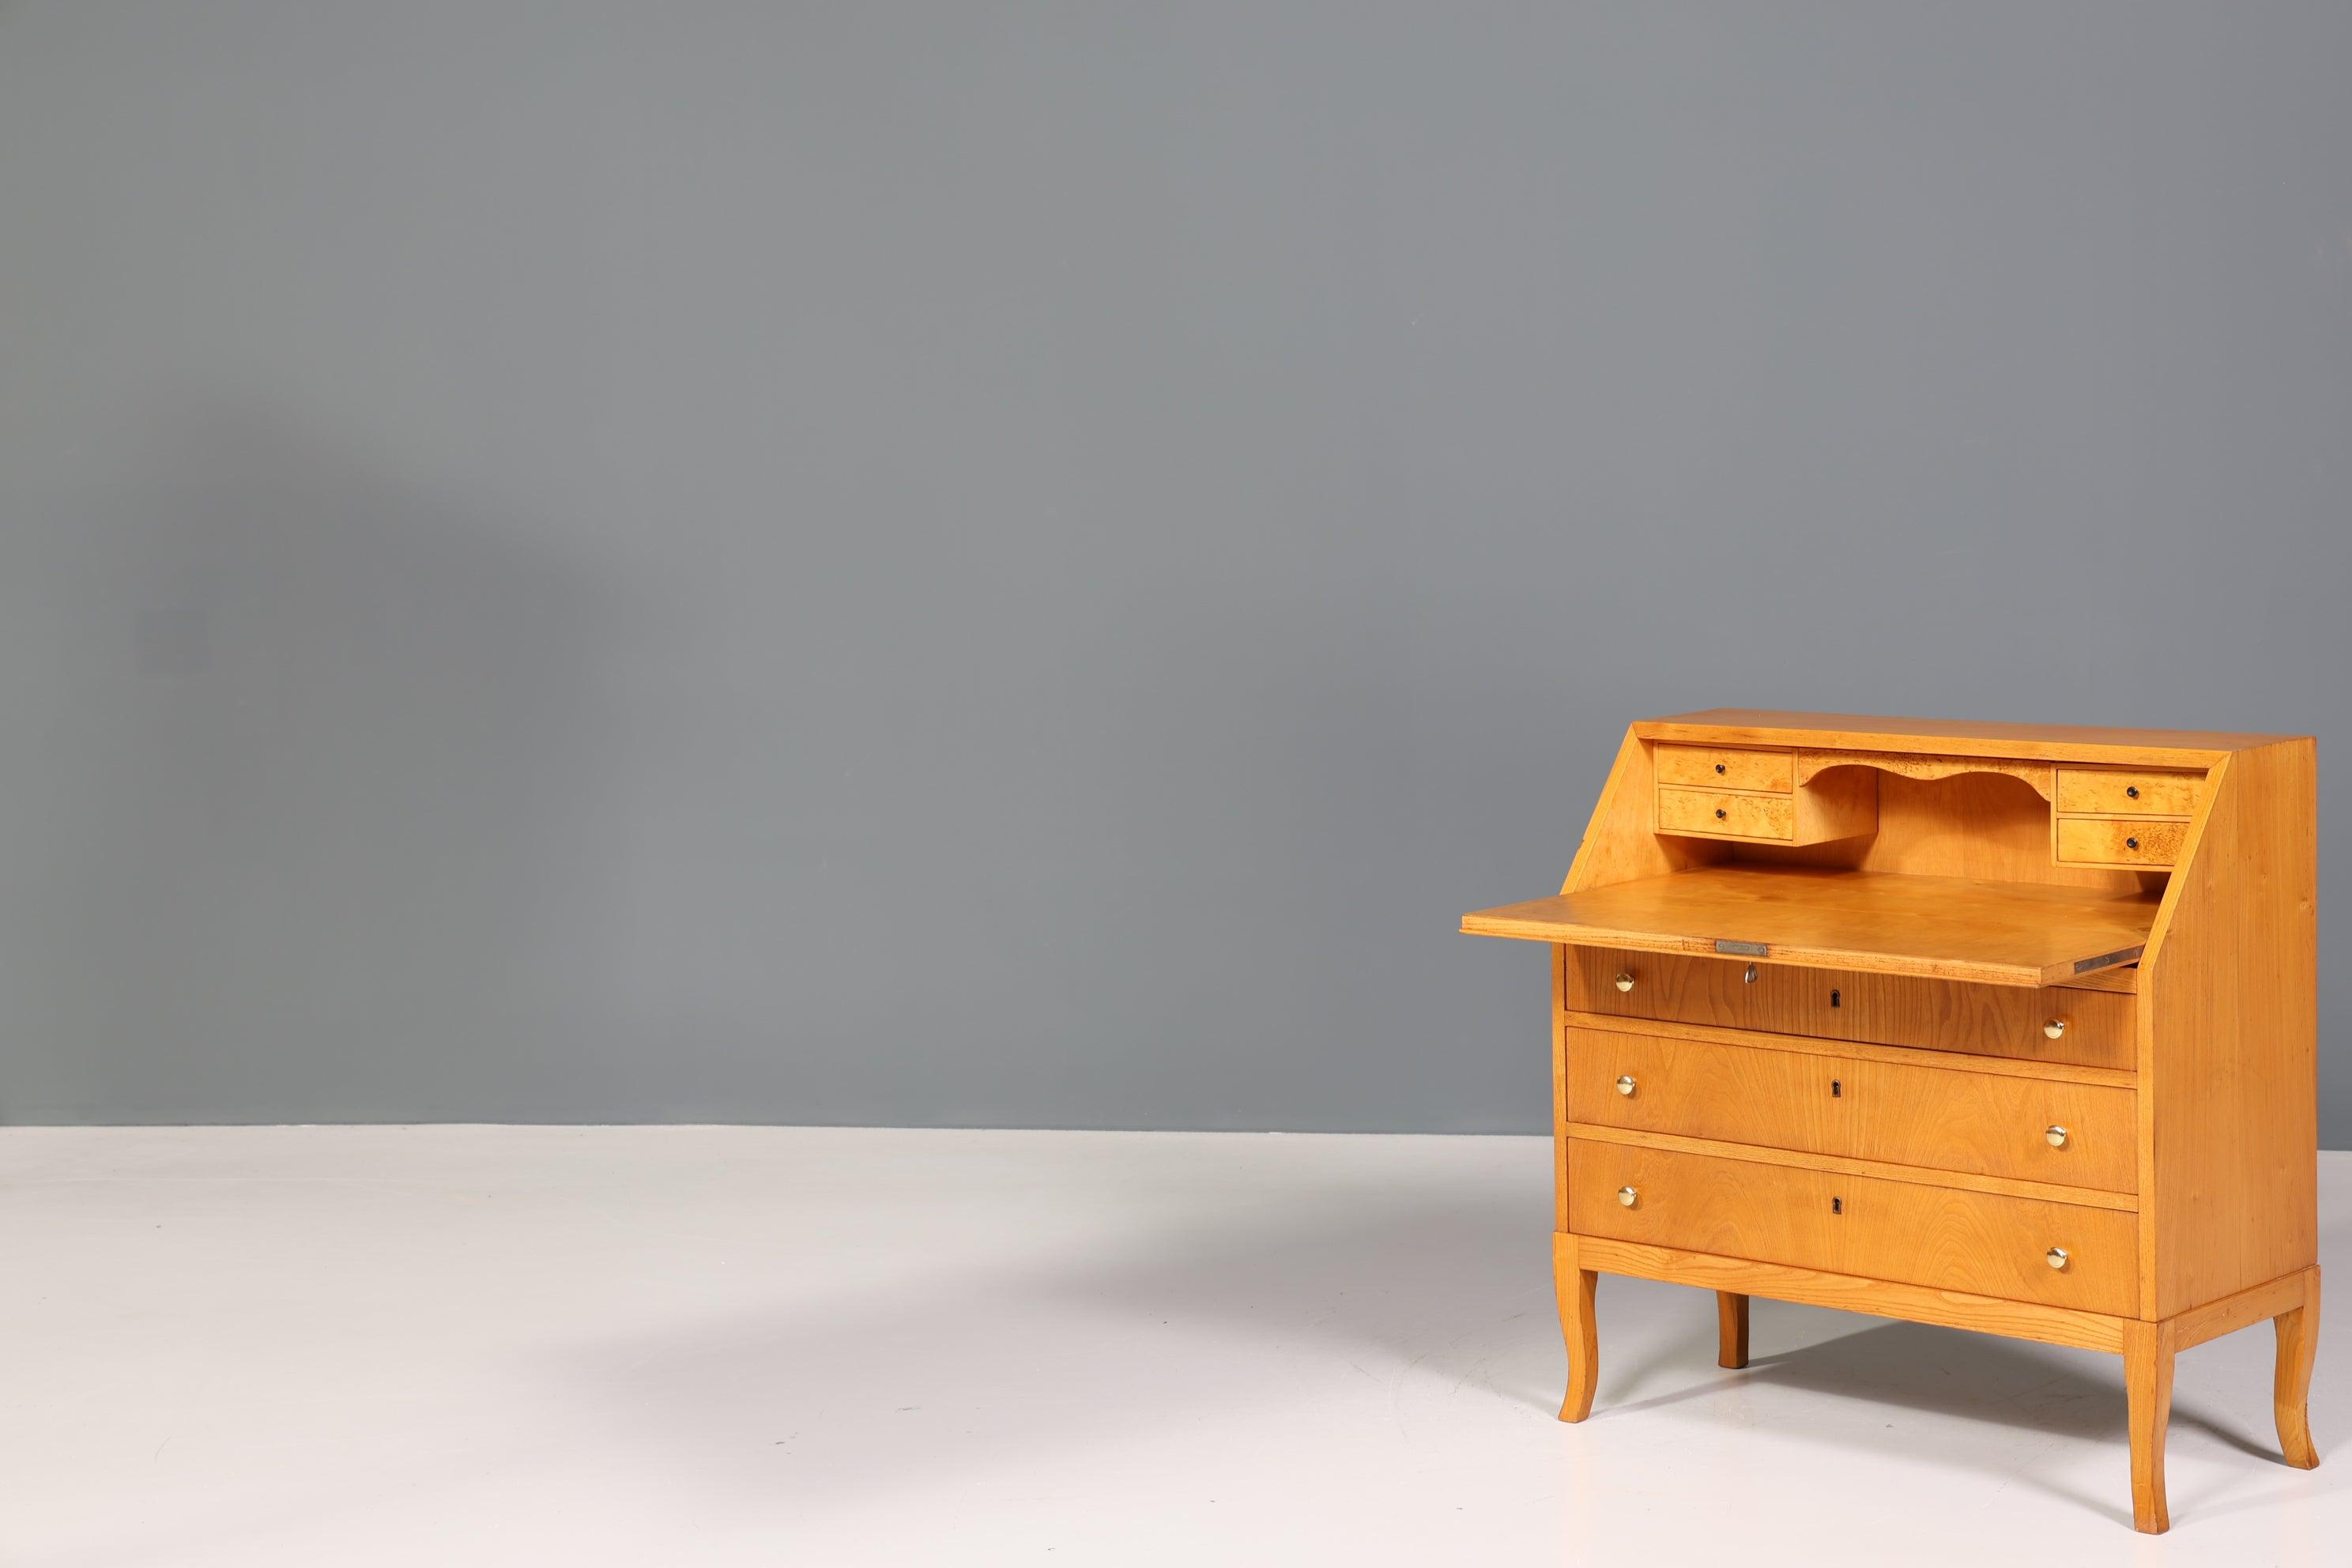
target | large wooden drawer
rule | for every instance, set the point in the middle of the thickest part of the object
(2050, 1024)
(1941, 1237)
(1944, 1118)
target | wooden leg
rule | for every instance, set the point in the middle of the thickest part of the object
(2298, 1341)
(2148, 1380)
(1731, 1328)
(1575, 1287)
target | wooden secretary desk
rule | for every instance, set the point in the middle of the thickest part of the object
(2001, 1026)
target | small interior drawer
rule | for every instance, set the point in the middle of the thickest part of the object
(1714, 767)
(2119, 841)
(1719, 814)
(2114, 793)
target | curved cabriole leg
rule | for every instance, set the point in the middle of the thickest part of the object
(2147, 1382)
(1731, 1328)
(2298, 1342)
(1575, 1287)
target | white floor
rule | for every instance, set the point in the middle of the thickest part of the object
(335, 1346)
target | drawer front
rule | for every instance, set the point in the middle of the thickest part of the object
(1938, 1118)
(1714, 768)
(2119, 841)
(1726, 815)
(2095, 1028)
(1936, 1237)
(2116, 794)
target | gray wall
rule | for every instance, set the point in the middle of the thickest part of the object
(1021, 563)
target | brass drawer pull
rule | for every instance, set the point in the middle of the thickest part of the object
(2055, 1137)
(1625, 981)
(1625, 1084)
(1627, 1196)
(2055, 1257)
(1718, 768)
(2055, 1028)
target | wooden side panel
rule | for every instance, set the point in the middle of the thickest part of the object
(2228, 1026)
(1619, 843)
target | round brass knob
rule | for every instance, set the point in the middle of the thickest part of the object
(2056, 1256)
(2131, 790)
(1718, 768)
(2128, 843)
(1626, 1195)
(2055, 1028)
(2055, 1137)
(1625, 1084)
(1625, 981)
(1720, 813)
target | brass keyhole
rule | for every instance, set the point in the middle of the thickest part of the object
(1837, 1206)
(1837, 1088)
(1835, 999)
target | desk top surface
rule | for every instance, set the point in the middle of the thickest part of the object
(1945, 928)
(1962, 737)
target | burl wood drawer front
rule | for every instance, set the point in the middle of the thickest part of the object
(2050, 1024)
(2072, 1135)
(1936, 1237)
(1715, 768)
(1719, 814)
(2119, 841)
(2100, 792)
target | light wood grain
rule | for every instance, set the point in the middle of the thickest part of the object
(2147, 1382)
(2128, 792)
(1621, 842)
(2230, 1313)
(1934, 927)
(1854, 1293)
(1721, 813)
(1949, 1124)
(2153, 841)
(1717, 768)
(2298, 1343)
(1858, 1051)
(1575, 1285)
(1922, 953)
(2095, 1029)
(1843, 1165)
(1959, 737)
(2229, 1026)
(1730, 1329)
(1936, 1237)
(2036, 776)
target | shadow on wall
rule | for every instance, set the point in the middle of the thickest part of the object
(308, 769)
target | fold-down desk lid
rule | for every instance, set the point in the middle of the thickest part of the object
(1943, 928)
